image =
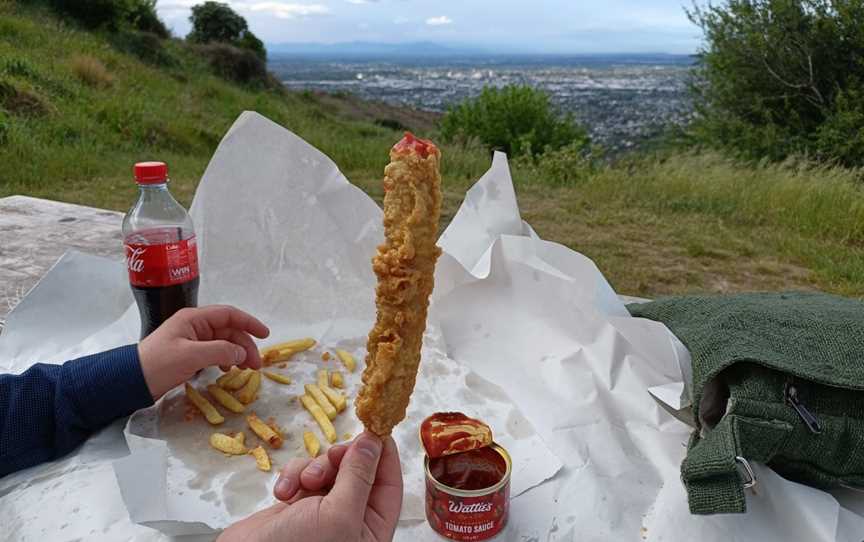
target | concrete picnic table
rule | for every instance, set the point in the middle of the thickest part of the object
(35, 232)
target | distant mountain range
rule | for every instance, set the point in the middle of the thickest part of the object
(432, 50)
(365, 49)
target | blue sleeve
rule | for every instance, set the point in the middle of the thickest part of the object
(48, 410)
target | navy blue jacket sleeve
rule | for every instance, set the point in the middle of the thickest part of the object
(48, 410)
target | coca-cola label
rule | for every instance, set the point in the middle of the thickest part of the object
(163, 264)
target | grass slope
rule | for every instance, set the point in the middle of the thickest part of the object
(70, 130)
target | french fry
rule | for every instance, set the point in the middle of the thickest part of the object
(234, 371)
(248, 392)
(323, 378)
(337, 380)
(347, 359)
(276, 377)
(335, 398)
(202, 404)
(261, 458)
(264, 431)
(225, 399)
(276, 429)
(322, 419)
(283, 351)
(321, 399)
(240, 437)
(313, 445)
(226, 444)
(239, 380)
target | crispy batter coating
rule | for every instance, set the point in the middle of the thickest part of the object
(405, 266)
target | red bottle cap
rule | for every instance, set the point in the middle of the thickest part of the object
(151, 172)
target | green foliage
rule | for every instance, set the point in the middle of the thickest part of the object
(518, 120)
(235, 64)
(217, 22)
(144, 45)
(114, 15)
(778, 77)
(570, 164)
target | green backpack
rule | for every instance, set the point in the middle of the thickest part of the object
(777, 379)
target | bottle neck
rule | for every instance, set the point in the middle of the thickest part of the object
(155, 187)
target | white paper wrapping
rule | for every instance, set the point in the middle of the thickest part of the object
(524, 333)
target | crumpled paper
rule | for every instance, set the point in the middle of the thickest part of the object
(532, 320)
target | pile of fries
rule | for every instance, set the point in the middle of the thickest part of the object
(237, 389)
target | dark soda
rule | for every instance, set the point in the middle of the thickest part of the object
(161, 249)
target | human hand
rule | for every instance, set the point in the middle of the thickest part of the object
(352, 493)
(193, 339)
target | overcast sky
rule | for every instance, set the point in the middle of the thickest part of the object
(569, 26)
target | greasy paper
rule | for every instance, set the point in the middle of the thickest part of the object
(524, 333)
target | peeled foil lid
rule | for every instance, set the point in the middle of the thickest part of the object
(447, 433)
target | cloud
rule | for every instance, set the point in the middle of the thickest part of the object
(439, 21)
(284, 10)
(361, 2)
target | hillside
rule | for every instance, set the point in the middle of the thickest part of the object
(76, 112)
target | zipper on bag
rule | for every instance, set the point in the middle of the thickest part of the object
(809, 419)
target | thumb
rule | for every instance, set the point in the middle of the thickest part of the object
(356, 476)
(206, 353)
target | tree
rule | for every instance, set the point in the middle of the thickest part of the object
(217, 22)
(778, 77)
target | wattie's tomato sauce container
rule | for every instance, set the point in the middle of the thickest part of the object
(467, 478)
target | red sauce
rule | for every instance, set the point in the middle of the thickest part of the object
(423, 147)
(448, 433)
(470, 471)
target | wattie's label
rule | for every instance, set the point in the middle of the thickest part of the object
(162, 265)
(467, 519)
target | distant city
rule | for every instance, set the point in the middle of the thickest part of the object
(621, 98)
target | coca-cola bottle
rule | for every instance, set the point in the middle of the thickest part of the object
(161, 252)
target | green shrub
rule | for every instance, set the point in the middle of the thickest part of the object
(215, 22)
(235, 64)
(515, 119)
(143, 17)
(780, 77)
(148, 47)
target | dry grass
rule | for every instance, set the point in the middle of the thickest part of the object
(91, 71)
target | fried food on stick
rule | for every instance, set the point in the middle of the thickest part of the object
(202, 404)
(336, 399)
(264, 431)
(276, 377)
(249, 391)
(225, 399)
(337, 380)
(261, 458)
(238, 381)
(347, 360)
(226, 444)
(313, 445)
(322, 419)
(405, 266)
(322, 400)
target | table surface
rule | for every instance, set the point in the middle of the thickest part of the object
(35, 232)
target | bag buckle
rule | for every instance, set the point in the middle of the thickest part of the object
(750, 480)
